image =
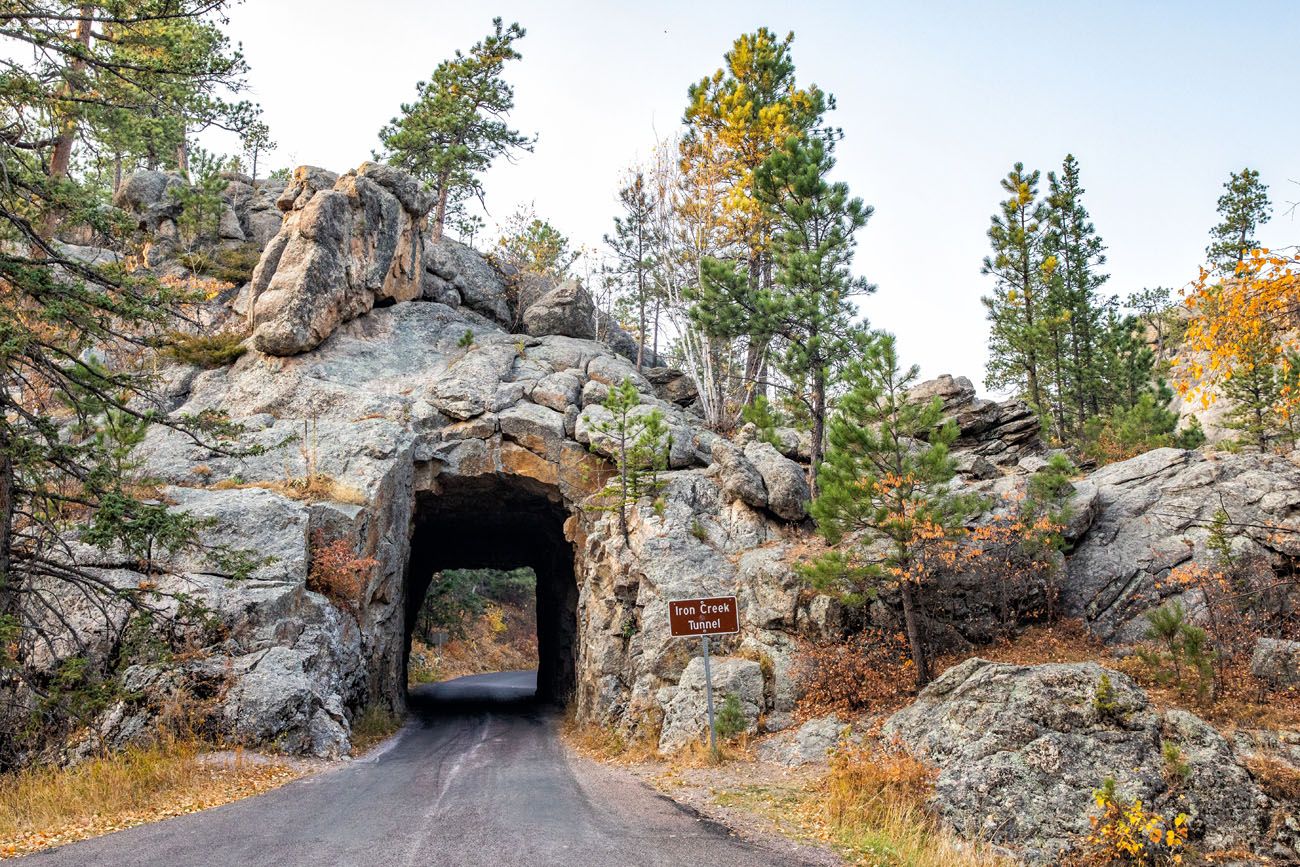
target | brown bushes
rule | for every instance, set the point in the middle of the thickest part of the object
(337, 572)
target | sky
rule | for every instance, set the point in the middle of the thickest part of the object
(1158, 101)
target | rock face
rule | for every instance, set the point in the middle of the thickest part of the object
(1001, 433)
(567, 309)
(339, 253)
(1153, 513)
(148, 196)
(1021, 748)
(810, 744)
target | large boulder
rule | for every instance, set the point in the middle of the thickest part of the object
(1001, 432)
(566, 309)
(1277, 662)
(460, 275)
(148, 196)
(1020, 750)
(1154, 513)
(339, 252)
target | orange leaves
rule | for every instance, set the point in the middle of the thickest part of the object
(1238, 318)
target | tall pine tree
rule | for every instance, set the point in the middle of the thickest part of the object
(456, 127)
(1243, 208)
(1017, 339)
(635, 244)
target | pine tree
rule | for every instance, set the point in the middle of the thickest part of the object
(1257, 390)
(1243, 208)
(257, 141)
(1074, 252)
(637, 439)
(807, 306)
(456, 127)
(67, 423)
(886, 477)
(635, 243)
(735, 119)
(1018, 344)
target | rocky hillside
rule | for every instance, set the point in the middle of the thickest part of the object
(409, 399)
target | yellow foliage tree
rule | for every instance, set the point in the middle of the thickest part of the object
(1245, 323)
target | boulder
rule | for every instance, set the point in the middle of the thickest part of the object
(1276, 662)
(1020, 749)
(810, 744)
(338, 253)
(1154, 513)
(566, 309)
(686, 715)
(147, 195)
(477, 285)
(739, 478)
(1002, 432)
(786, 482)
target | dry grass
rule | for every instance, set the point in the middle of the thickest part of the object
(372, 726)
(48, 806)
(1279, 780)
(315, 488)
(608, 744)
(872, 806)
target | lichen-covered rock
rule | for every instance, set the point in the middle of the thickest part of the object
(1002, 432)
(810, 744)
(1154, 513)
(1020, 749)
(476, 284)
(686, 714)
(1277, 662)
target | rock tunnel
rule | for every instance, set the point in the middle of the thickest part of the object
(502, 522)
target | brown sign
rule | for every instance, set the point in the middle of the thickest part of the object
(716, 616)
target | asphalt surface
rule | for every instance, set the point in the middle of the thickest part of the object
(477, 777)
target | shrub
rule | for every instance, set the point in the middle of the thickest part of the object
(871, 670)
(229, 264)
(699, 532)
(337, 573)
(1177, 770)
(1104, 702)
(730, 721)
(1126, 832)
(1183, 650)
(206, 350)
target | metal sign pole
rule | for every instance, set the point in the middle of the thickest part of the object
(708, 700)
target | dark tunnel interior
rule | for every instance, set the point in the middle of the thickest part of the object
(499, 523)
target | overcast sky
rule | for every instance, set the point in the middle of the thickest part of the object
(1157, 100)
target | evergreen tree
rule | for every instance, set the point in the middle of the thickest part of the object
(1017, 339)
(67, 422)
(1257, 390)
(456, 127)
(180, 74)
(1243, 208)
(637, 439)
(735, 119)
(634, 244)
(534, 246)
(808, 304)
(886, 477)
(257, 141)
(1074, 253)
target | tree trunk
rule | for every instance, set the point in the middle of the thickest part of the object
(440, 212)
(817, 449)
(913, 629)
(183, 156)
(61, 155)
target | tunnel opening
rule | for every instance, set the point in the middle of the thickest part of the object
(504, 524)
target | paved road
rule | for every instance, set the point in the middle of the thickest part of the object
(477, 777)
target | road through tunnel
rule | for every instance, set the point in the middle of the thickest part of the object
(503, 523)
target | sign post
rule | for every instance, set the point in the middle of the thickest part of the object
(688, 618)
